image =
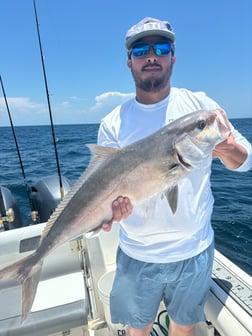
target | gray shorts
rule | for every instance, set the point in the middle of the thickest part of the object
(139, 288)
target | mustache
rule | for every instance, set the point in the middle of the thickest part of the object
(151, 65)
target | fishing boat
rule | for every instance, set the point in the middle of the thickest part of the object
(73, 292)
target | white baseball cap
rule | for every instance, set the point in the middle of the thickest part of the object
(149, 27)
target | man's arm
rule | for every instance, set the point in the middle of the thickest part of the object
(232, 154)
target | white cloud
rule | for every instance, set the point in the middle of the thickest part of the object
(105, 103)
(112, 97)
(26, 111)
(23, 111)
(77, 111)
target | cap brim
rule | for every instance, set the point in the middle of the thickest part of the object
(169, 35)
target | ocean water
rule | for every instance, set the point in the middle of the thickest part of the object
(232, 215)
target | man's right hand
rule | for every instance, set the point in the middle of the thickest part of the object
(121, 208)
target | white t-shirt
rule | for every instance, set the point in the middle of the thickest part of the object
(152, 233)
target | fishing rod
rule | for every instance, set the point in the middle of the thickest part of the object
(27, 188)
(49, 104)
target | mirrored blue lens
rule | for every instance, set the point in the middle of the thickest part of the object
(160, 48)
(140, 50)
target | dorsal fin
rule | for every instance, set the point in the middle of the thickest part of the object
(101, 151)
(99, 155)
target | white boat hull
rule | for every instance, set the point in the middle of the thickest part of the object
(67, 299)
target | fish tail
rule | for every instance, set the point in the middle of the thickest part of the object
(27, 272)
(29, 288)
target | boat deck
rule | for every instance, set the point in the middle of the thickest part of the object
(68, 299)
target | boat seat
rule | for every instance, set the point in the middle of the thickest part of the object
(61, 301)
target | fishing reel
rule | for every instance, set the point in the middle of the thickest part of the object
(10, 217)
(6, 218)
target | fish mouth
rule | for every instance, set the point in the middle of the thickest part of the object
(223, 123)
(180, 159)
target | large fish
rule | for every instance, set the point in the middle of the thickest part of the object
(139, 171)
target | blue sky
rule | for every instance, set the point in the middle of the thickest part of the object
(85, 58)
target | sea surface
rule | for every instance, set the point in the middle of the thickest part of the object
(232, 215)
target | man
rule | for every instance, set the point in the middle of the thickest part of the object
(163, 255)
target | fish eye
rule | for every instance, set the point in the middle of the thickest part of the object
(201, 124)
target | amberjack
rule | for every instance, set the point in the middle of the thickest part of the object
(139, 171)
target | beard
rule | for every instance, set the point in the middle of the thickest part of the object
(152, 83)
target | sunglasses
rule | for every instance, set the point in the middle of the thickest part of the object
(141, 49)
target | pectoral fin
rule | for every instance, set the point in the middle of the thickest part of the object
(172, 198)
